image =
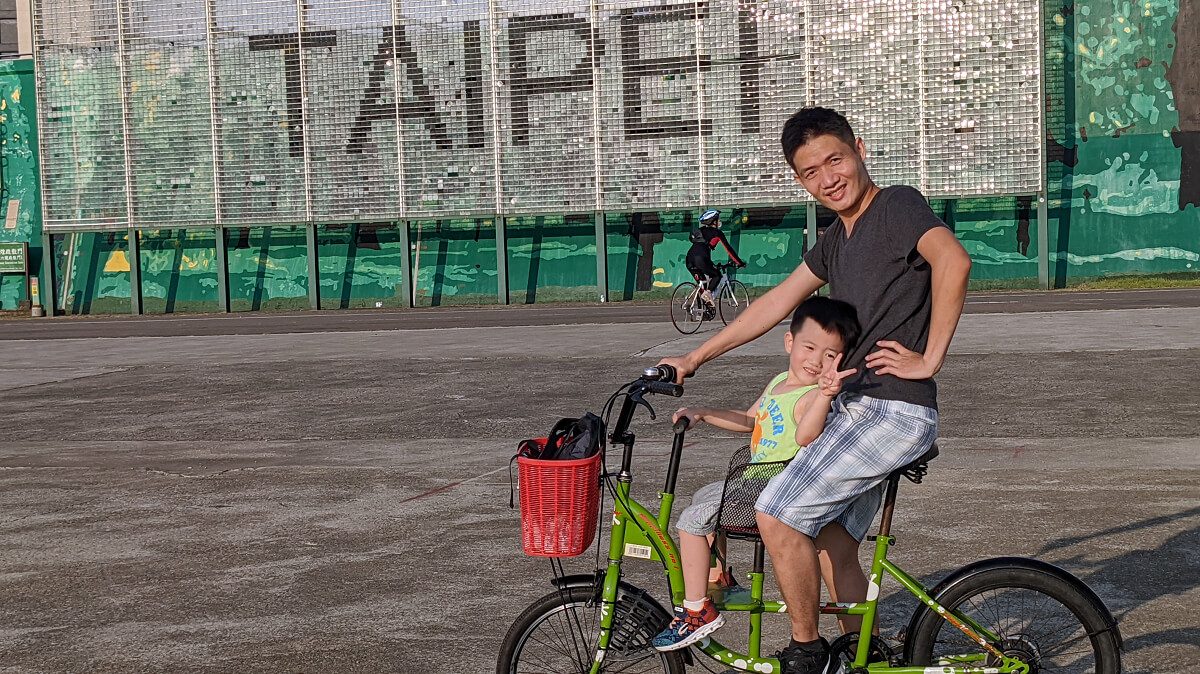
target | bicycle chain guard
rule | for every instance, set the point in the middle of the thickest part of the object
(635, 622)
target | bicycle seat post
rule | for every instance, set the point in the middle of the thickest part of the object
(889, 504)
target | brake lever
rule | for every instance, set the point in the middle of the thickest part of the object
(637, 398)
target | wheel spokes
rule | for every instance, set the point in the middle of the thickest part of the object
(1030, 625)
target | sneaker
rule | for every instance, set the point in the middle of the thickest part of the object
(796, 660)
(689, 626)
(710, 312)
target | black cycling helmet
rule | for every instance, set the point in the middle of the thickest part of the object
(710, 219)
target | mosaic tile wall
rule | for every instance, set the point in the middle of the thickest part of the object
(191, 112)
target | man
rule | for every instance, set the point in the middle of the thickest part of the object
(906, 274)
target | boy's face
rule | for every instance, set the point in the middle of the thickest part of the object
(833, 172)
(810, 349)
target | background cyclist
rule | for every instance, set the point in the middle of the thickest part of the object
(699, 258)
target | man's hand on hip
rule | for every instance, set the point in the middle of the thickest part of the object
(894, 359)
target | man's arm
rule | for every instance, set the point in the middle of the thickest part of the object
(951, 267)
(763, 314)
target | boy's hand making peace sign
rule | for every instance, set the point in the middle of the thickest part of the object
(829, 384)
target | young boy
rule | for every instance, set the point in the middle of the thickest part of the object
(787, 416)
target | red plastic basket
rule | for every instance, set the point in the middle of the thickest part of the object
(560, 501)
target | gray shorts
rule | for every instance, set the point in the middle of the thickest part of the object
(700, 518)
(840, 476)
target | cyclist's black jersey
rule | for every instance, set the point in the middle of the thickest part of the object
(703, 251)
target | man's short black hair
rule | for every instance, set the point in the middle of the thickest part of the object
(832, 315)
(809, 123)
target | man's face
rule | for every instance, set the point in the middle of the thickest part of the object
(833, 172)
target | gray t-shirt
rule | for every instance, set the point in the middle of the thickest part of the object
(880, 273)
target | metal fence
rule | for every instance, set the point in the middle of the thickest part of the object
(234, 112)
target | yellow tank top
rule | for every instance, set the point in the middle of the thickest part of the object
(774, 436)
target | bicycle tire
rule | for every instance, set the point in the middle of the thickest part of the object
(1065, 614)
(685, 317)
(567, 643)
(734, 301)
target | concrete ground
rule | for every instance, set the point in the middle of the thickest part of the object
(336, 500)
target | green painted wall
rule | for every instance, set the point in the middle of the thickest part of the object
(1123, 113)
(19, 171)
(1125, 117)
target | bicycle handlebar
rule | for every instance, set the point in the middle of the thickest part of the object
(662, 387)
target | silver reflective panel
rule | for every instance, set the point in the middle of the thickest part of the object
(203, 112)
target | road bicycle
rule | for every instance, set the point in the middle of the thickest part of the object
(689, 310)
(1005, 615)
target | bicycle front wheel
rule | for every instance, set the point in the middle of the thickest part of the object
(734, 301)
(687, 309)
(560, 633)
(1042, 619)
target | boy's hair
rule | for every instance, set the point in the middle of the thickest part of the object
(809, 123)
(832, 315)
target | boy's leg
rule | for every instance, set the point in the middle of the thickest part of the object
(694, 557)
(697, 524)
(698, 617)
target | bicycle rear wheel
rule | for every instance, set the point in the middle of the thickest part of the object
(734, 301)
(687, 309)
(1040, 618)
(561, 631)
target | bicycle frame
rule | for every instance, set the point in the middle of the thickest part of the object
(638, 533)
(722, 287)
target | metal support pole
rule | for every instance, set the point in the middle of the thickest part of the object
(702, 159)
(46, 279)
(127, 146)
(810, 225)
(501, 260)
(601, 256)
(1043, 183)
(301, 22)
(810, 229)
(222, 247)
(406, 266)
(1043, 233)
(314, 280)
(135, 273)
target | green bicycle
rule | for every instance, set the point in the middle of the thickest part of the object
(1003, 615)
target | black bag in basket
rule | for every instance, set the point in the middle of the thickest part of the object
(570, 439)
(573, 439)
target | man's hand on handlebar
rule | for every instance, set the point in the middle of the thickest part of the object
(684, 366)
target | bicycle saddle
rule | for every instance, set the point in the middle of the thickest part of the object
(918, 469)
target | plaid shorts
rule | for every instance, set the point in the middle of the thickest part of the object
(840, 476)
